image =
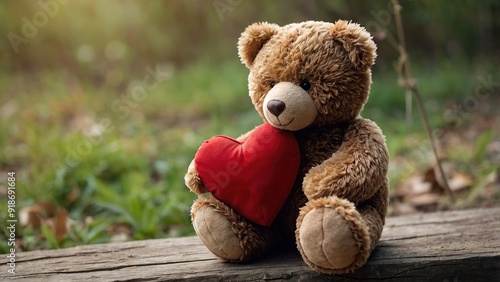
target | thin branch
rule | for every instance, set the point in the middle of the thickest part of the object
(390, 38)
(407, 80)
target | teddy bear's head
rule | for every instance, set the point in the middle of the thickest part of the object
(307, 73)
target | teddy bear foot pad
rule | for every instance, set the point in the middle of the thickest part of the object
(227, 234)
(332, 236)
(215, 231)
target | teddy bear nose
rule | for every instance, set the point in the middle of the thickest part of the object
(276, 107)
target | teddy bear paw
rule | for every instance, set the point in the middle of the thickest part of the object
(215, 231)
(332, 236)
(193, 181)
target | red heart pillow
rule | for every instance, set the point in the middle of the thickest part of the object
(253, 177)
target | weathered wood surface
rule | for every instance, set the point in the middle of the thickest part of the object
(445, 246)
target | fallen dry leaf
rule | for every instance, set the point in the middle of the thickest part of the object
(46, 213)
(460, 181)
(403, 209)
(424, 201)
(457, 181)
(32, 216)
(413, 186)
(60, 226)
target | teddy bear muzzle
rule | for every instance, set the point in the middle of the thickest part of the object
(287, 106)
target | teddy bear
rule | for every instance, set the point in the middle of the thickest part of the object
(309, 80)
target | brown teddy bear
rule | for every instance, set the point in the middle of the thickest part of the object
(311, 80)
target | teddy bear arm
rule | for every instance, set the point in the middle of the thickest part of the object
(193, 181)
(356, 171)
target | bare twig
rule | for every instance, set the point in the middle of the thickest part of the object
(407, 80)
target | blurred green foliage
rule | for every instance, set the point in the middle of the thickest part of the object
(88, 37)
(104, 103)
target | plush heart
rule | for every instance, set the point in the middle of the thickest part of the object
(253, 177)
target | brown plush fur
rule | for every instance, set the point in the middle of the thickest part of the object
(340, 196)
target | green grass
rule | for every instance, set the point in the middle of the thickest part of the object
(114, 161)
(71, 147)
(442, 87)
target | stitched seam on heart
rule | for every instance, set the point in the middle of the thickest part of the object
(229, 138)
(262, 213)
(263, 216)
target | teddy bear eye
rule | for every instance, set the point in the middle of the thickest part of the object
(306, 85)
(272, 83)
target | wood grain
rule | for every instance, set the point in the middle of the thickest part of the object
(444, 246)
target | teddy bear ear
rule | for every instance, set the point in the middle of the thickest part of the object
(357, 42)
(252, 40)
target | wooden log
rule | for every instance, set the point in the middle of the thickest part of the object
(443, 246)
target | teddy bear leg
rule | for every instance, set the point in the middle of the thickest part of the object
(333, 237)
(374, 223)
(225, 233)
